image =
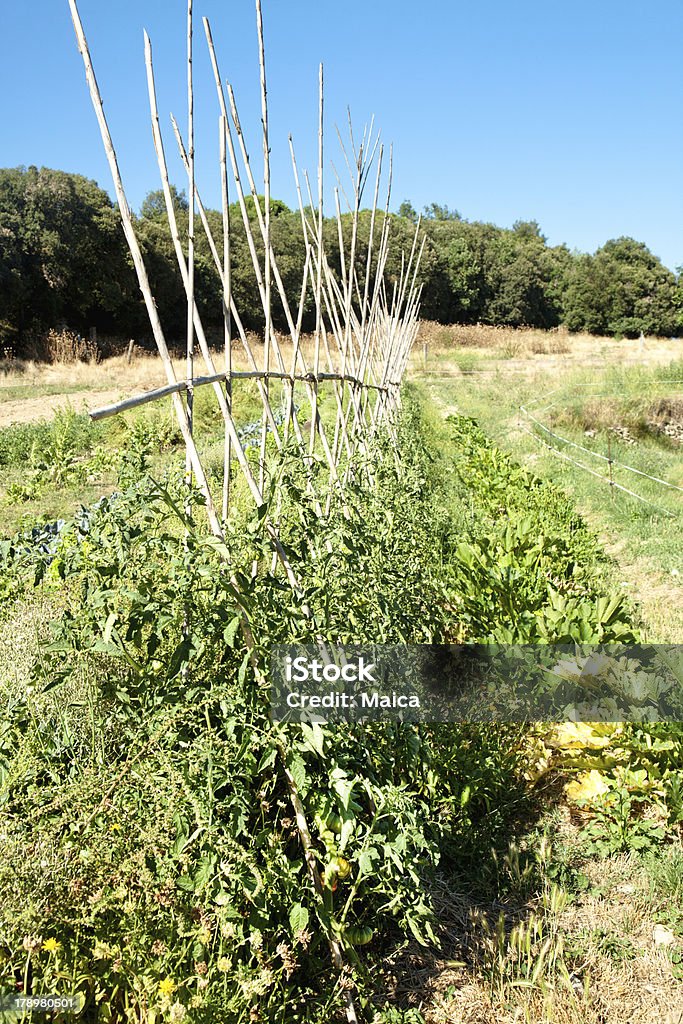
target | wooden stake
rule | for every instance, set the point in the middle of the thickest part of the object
(227, 299)
(190, 242)
(138, 262)
(266, 231)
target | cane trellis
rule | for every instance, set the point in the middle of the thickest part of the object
(364, 329)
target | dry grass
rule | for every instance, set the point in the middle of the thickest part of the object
(454, 349)
(440, 338)
(34, 389)
(23, 626)
(595, 956)
(525, 349)
(144, 370)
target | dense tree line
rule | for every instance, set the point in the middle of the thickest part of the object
(63, 260)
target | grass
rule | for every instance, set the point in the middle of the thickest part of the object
(543, 932)
(644, 541)
(536, 931)
(53, 465)
(552, 936)
(15, 392)
(144, 371)
(521, 343)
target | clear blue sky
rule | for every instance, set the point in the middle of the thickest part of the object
(569, 113)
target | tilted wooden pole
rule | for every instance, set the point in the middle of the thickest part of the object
(190, 238)
(227, 297)
(266, 231)
(138, 262)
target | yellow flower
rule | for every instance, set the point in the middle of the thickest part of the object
(51, 945)
(223, 964)
(167, 987)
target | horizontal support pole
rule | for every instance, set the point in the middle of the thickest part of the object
(183, 385)
(132, 403)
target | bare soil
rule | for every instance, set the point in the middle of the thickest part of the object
(30, 410)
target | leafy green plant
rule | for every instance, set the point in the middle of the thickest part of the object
(56, 458)
(530, 572)
(26, 491)
(153, 772)
(185, 811)
(394, 1015)
(616, 828)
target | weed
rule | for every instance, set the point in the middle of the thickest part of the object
(616, 829)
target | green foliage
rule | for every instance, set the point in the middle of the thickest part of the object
(19, 439)
(638, 768)
(407, 211)
(62, 253)
(529, 572)
(176, 882)
(165, 876)
(63, 260)
(616, 828)
(622, 290)
(437, 211)
(51, 453)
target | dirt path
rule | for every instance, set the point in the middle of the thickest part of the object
(30, 410)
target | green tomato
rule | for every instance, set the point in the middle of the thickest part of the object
(341, 867)
(359, 935)
(334, 823)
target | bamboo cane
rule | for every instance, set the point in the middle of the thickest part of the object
(227, 298)
(143, 280)
(266, 232)
(232, 309)
(190, 243)
(247, 225)
(320, 428)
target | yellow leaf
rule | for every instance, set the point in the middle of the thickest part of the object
(581, 735)
(587, 787)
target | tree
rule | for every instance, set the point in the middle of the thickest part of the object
(154, 203)
(528, 229)
(62, 252)
(469, 260)
(622, 290)
(407, 211)
(524, 279)
(437, 212)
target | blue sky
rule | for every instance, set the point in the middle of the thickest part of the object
(569, 114)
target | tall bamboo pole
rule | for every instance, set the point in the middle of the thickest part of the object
(141, 272)
(218, 390)
(190, 242)
(266, 233)
(251, 244)
(315, 415)
(227, 297)
(232, 308)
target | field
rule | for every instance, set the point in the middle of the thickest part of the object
(622, 397)
(150, 857)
